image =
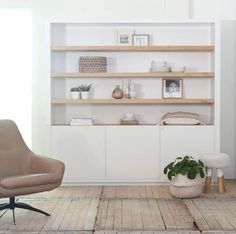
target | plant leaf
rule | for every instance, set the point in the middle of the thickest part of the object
(192, 174)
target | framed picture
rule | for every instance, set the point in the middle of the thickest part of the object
(124, 38)
(172, 88)
(140, 39)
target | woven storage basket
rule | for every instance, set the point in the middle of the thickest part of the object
(92, 64)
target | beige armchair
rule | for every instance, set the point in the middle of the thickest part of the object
(21, 171)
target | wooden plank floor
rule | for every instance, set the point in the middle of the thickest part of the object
(124, 209)
(213, 214)
(147, 232)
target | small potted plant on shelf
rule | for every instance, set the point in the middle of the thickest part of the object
(186, 177)
(75, 93)
(84, 89)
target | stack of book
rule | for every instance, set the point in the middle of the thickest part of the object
(81, 121)
(129, 122)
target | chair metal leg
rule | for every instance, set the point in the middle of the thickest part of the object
(28, 207)
(14, 218)
(12, 205)
(3, 205)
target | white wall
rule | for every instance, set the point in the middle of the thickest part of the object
(218, 9)
(16, 69)
(228, 85)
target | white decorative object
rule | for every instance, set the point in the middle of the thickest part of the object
(85, 89)
(132, 91)
(140, 39)
(177, 68)
(180, 118)
(159, 66)
(85, 95)
(75, 94)
(128, 116)
(127, 89)
(182, 187)
(81, 121)
(124, 37)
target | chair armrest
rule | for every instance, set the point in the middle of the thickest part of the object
(41, 164)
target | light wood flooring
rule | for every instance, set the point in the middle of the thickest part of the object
(123, 210)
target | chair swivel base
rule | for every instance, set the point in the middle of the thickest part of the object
(12, 205)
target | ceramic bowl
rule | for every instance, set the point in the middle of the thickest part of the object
(160, 69)
(128, 116)
(158, 64)
(177, 69)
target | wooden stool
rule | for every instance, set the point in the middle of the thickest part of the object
(216, 161)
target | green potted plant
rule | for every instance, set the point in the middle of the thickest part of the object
(186, 177)
(75, 93)
(84, 89)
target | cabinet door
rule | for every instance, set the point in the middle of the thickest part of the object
(185, 140)
(82, 149)
(132, 153)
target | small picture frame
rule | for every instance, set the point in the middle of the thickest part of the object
(124, 38)
(140, 39)
(172, 88)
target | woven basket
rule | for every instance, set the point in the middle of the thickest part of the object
(92, 64)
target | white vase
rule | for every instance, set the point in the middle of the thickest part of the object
(84, 95)
(183, 187)
(75, 95)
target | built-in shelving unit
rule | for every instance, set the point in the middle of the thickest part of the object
(135, 75)
(135, 101)
(108, 152)
(195, 49)
(171, 48)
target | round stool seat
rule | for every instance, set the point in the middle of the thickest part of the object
(216, 160)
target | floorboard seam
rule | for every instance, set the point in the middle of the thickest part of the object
(100, 199)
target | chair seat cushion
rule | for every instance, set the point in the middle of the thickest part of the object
(216, 160)
(29, 180)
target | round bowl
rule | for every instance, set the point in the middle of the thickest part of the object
(177, 68)
(158, 64)
(160, 69)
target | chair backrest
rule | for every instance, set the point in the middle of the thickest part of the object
(14, 154)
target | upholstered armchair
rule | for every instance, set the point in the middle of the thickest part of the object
(21, 171)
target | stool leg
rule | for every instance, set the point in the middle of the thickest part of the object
(208, 180)
(220, 180)
(224, 183)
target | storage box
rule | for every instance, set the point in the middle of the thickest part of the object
(92, 64)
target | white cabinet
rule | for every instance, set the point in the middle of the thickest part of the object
(125, 154)
(82, 149)
(132, 153)
(185, 140)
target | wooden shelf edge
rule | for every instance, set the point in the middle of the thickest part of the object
(134, 75)
(134, 101)
(174, 48)
(105, 125)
